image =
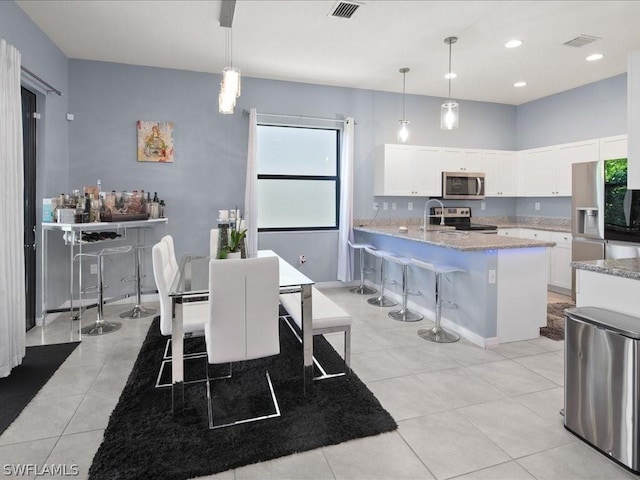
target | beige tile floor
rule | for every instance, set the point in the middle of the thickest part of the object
(463, 412)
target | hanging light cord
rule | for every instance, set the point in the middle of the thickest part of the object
(404, 77)
(449, 72)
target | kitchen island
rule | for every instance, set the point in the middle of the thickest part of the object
(609, 284)
(502, 294)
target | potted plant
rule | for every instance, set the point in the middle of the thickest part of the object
(236, 237)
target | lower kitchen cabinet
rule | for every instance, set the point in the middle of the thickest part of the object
(560, 262)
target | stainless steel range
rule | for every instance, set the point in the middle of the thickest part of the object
(459, 217)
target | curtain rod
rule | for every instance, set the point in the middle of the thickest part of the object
(246, 112)
(50, 88)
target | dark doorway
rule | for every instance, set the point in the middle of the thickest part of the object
(29, 146)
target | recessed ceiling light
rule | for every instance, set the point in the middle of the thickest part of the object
(594, 57)
(520, 84)
(513, 43)
(451, 75)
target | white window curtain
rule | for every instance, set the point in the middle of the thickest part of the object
(12, 294)
(345, 256)
(251, 187)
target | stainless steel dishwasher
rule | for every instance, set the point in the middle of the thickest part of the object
(602, 384)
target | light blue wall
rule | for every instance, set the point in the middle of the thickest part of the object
(42, 57)
(595, 110)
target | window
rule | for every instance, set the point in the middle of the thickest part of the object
(298, 181)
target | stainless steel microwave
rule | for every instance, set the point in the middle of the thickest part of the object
(463, 185)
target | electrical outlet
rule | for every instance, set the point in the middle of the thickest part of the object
(492, 276)
(385, 206)
(375, 205)
(93, 269)
(536, 205)
(302, 259)
(393, 205)
(483, 205)
(410, 206)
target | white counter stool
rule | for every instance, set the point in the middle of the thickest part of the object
(437, 333)
(362, 289)
(380, 300)
(138, 310)
(404, 314)
(101, 326)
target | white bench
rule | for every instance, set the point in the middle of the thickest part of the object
(327, 318)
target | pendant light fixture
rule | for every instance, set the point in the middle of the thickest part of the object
(449, 112)
(403, 129)
(230, 84)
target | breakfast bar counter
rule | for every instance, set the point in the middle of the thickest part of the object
(448, 237)
(501, 293)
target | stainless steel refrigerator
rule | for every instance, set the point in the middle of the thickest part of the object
(605, 218)
(587, 214)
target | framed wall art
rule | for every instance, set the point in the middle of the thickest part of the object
(155, 141)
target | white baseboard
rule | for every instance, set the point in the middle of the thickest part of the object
(465, 333)
(336, 284)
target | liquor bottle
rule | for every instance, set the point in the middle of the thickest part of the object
(155, 197)
(162, 207)
(143, 202)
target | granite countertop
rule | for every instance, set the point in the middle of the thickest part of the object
(448, 237)
(551, 224)
(621, 267)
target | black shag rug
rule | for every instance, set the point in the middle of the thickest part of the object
(555, 320)
(144, 441)
(38, 365)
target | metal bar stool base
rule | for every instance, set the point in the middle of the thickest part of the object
(405, 315)
(138, 312)
(438, 335)
(381, 302)
(101, 328)
(363, 290)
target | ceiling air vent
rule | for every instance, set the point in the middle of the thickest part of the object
(581, 40)
(344, 9)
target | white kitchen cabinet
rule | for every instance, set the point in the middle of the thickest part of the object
(613, 147)
(408, 170)
(560, 260)
(500, 168)
(546, 172)
(509, 232)
(567, 155)
(459, 159)
(537, 172)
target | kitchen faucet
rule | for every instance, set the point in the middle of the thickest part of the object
(426, 205)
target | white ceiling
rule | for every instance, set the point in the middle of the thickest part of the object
(298, 41)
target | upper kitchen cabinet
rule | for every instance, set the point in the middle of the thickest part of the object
(408, 170)
(633, 120)
(538, 172)
(613, 147)
(546, 172)
(461, 159)
(500, 168)
(570, 153)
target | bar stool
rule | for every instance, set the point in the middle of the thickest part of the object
(437, 333)
(138, 311)
(102, 326)
(404, 314)
(362, 289)
(381, 300)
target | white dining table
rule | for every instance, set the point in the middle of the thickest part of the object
(192, 282)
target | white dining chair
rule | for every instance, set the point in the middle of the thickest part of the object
(243, 319)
